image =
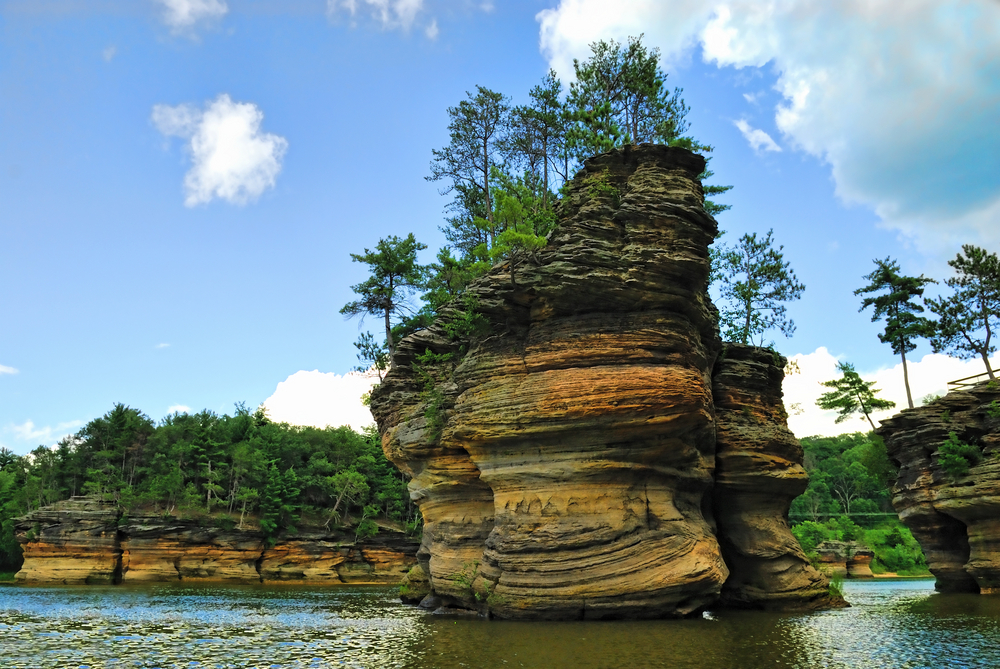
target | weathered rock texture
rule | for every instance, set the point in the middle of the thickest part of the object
(758, 474)
(84, 541)
(956, 521)
(71, 542)
(564, 465)
(847, 559)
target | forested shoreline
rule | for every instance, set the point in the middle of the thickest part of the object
(240, 470)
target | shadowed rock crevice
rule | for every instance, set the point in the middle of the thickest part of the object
(565, 465)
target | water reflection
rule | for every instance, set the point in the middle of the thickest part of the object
(893, 624)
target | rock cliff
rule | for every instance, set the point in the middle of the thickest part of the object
(563, 457)
(85, 541)
(956, 519)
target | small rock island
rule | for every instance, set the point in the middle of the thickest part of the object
(595, 451)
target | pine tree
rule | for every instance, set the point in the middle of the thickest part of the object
(851, 394)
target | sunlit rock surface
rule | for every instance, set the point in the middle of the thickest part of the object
(956, 521)
(85, 541)
(564, 465)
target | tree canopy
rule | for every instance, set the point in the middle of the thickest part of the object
(893, 298)
(969, 316)
(756, 282)
(851, 394)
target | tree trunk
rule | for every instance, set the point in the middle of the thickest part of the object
(906, 378)
(986, 361)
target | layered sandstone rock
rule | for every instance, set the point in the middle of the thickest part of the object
(758, 474)
(85, 541)
(847, 559)
(956, 521)
(71, 542)
(564, 463)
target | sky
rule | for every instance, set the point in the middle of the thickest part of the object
(182, 181)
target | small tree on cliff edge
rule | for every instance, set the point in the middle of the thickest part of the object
(897, 306)
(756, 281)
(968, 318)
(395, 274)
(851, 394)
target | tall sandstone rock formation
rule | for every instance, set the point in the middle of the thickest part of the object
(564, 458)
(955, 520)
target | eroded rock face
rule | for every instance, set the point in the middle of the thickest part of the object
(955, 520)
(71, 542)
(84, 541)
(847, 559)
(758, 474)
(564, 465)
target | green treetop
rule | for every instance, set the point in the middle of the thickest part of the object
(969, 316)
(851, 394)
(756, 282)
(893, 299)
(395, 274)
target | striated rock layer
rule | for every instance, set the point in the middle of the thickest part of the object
(85, 541)
(564, 465)
(758, 473)
(955, 520)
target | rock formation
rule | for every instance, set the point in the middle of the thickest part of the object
(85, 541)
(847, 559)
(563, 456)
(956, 520)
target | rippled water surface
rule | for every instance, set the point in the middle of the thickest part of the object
(892, 624)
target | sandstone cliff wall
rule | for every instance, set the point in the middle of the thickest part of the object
(84, 541)
(956, 521)
(564, 464)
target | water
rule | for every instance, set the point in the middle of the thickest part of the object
(892, 624)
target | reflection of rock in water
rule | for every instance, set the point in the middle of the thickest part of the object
(955, 520)
(82, 540)
(564, 464)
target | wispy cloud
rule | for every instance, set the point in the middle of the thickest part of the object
(4, 369)
(231, 158)
(179, 408)
(432, 30)
(109, 53)
(759, 140)
(390, 14)
(162, 346)
(49, 434)
(185, 15)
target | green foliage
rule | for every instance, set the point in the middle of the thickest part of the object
(968, 317)
(371, 354)
(837, 586)
(851, 394)
(893, 299)
(394, 274)
(955, 456)
(756, 283)
(993, 410)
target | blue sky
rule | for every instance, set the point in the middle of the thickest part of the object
(141, 267)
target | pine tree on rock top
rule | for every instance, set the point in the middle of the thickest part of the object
(851, 394)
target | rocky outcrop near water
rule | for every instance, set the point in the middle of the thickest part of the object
(563, 449)
(757, 475)
(846, 559)
(83, 540)
(955, 518)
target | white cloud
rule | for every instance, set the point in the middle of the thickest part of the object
(29, 432)
(182, 15)
(4, 369)
(109, 53)
(390, 14)
(757, 138)
(321, 399)
(900, 99)
(179, 408)
(231, 158)
(162, 345)
(929, 375)
(432, 30)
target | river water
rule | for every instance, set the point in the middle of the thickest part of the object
(891, 624)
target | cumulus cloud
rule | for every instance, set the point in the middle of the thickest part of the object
(322, 399)
(901, 100)
(390, 14)
(231, 158)
(182, 15)
(4, 369)
(928, 376)
(758, 139)
(179, 408)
